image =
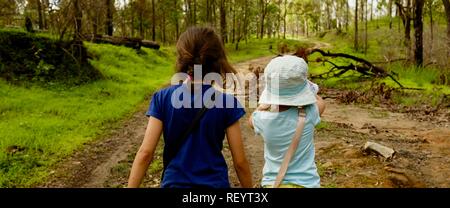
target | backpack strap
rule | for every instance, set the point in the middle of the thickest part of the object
(292, 148)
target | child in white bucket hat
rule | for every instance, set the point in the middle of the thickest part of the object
(287, 95)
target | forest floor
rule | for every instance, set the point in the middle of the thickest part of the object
(422, 148)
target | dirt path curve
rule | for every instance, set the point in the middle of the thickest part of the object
(422, 158)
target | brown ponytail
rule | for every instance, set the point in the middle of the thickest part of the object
(201, 45)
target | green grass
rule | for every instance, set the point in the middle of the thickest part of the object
(323, 125)
(256, 48)
(49, 122)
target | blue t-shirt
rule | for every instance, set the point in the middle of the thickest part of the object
(199, 162)
(278, 129)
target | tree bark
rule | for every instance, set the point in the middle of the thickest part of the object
(109, 17)
(408, 26)
(279, 18)
(405, 15)
(371, 10)
(365, 28)
(246, 19)
(347, 15)
(141, 5)
(418, 32)
(153, 21)
(447, 12)
(177, 24)
(78, 21)
(163, 28)
(39, 8)
(356, 25)
(263, 16)
(284, 20)
(390, 13)
(233, 29)
(208, 12)
(223, 21)
(195, 12)
(431, 21)
(45, 12)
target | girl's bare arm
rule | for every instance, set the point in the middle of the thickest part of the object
(320, 104)
(145, 154)
(237, 151)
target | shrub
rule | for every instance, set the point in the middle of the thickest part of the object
(27, 57)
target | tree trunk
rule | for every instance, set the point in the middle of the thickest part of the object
(418, 32)
(390, 13)
(284, 20)
(45, 11)
(233, 29)
(447, 12)
(408, 28)
(164, 28)
(208, 11)
(132, 24)
(195, 12)
(306, 28)
(141, 17)
(365, 28)
(177, 24)
(328, 15)
(356, 25)
(431, 27)
(223, 21)
(263, 16)
(153, 21)
(95, 25)
(405, 15)
(78, 21)
(371, 10)
(109, 17)
(39, 8)
(347, 15)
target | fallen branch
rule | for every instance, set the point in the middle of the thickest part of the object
(362, 66)
(378, 71)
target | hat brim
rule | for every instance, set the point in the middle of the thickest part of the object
(304, 97)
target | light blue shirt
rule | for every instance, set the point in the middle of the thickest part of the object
(277, 129)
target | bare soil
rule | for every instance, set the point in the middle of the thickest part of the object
(421, 158)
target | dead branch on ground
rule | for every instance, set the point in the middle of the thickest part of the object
(363, 66)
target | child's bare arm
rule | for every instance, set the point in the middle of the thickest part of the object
(237, 151)
(262, 107)
(145, 153)
(320, 104)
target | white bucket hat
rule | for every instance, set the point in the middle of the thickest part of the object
(286, 82)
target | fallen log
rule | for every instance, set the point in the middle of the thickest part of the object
(379, 149)
(150, 44)
(135, 43)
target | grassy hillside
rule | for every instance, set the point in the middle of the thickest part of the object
(42, 123)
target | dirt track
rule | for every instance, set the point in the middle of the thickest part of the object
(422, 158)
